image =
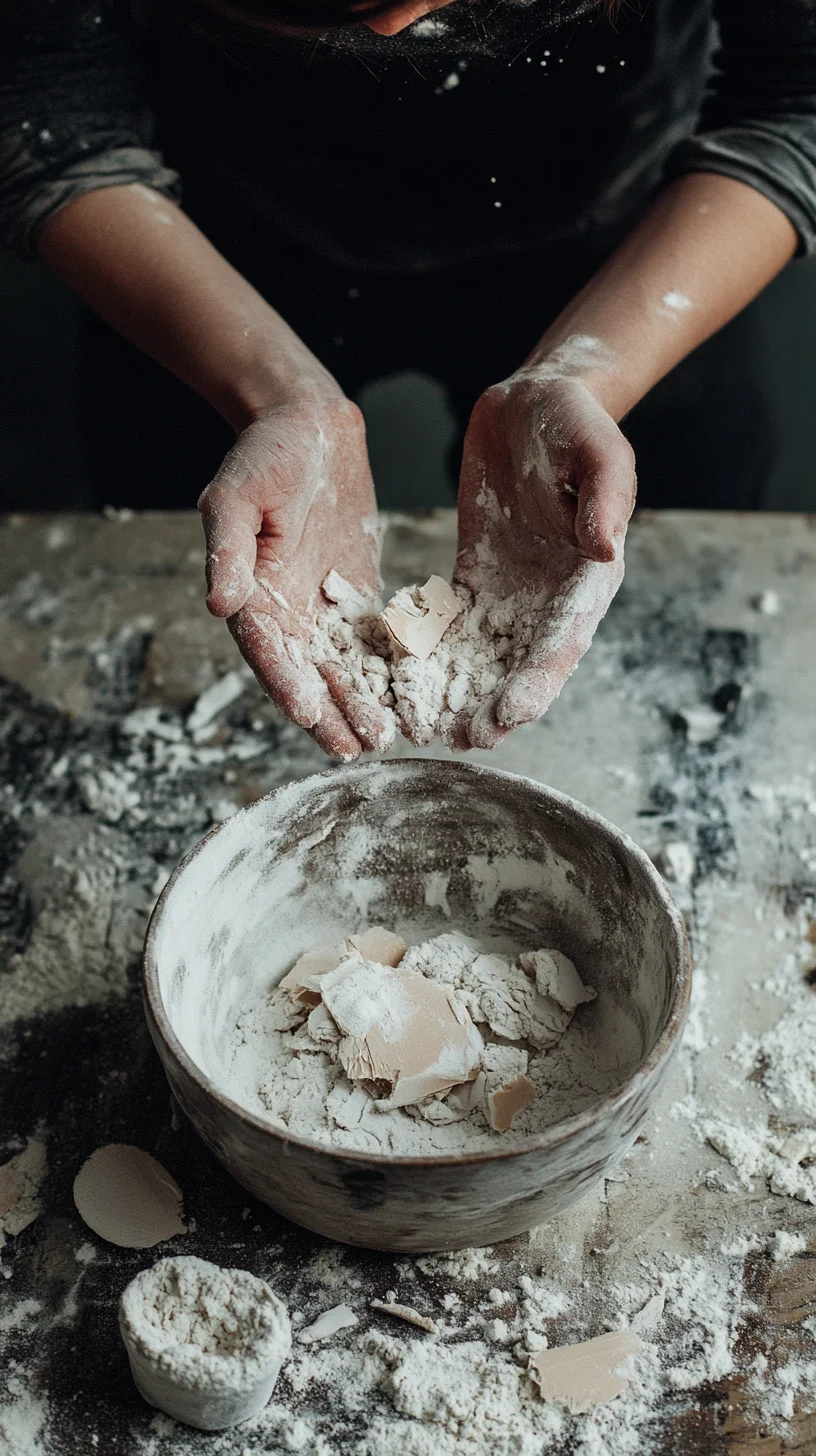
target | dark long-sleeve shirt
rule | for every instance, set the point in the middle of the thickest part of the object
(485, 129)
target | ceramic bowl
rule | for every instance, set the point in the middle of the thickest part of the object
(422, 846)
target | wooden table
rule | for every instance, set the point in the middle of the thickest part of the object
(103, 617)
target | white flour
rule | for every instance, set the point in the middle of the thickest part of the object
(491, 636)
(21, 1178)
(478, 650)
(466, 1392)
(350, 635)
(778, 1146)
(205, 1344)
(787, 1056)
(88, 919)
(786, 1160)
(288, 1070)
(23, 1420)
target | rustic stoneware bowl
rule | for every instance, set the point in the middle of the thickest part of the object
(409, 843)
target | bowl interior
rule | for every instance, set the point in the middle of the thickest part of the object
(421, 846)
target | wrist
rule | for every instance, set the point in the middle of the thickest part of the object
(587, 362)
(275, 379)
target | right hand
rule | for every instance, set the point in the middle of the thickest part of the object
(293, 499)
(547, 488)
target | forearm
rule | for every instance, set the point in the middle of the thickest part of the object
(140, 263)
(706, 247)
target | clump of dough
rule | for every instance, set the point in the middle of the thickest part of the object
(414, 1028)
(417, 618)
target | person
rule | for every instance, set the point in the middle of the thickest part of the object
(548, 204)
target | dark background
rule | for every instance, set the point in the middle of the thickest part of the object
(44, 466)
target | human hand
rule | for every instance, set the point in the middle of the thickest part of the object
(546, 492)
(293, 499)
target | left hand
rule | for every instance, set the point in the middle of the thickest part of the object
(546, 492)
(294, 499)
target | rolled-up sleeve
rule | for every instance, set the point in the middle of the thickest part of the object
(74, 112)
(758, 123)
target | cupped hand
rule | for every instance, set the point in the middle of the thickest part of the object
(293, 499)
(547, 489)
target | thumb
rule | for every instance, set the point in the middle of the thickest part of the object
(605, 471)
(231, 524)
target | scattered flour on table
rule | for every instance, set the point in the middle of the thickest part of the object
(88, 919)
(787, 1056)
(288, 1068)
(779, 1146)
(346, 1411)
(785, 1245)
(786, 1160)
(21, 1178)
(23, 1420)
(462, 1394)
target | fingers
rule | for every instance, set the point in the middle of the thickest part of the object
(565, 631)
(477, 730)
(334, 736)
(605, 476)
(231, 524)
(530, 690)
(293, 682)
(374, 726)
(457, 736)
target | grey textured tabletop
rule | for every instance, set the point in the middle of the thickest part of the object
(691, 725)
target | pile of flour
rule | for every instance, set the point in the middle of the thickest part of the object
(285, 1063)
(350, 634)
(467, 1392)
(490, 636)
(185, 1308)
(205, 1344)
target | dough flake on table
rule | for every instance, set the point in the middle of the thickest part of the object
(341, 1317)
(128, 1198)
(405, 1312)
(587, 1374)
(21, 1178)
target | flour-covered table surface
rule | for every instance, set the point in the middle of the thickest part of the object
(691, 725)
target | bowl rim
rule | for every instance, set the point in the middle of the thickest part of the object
(550, 1137)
